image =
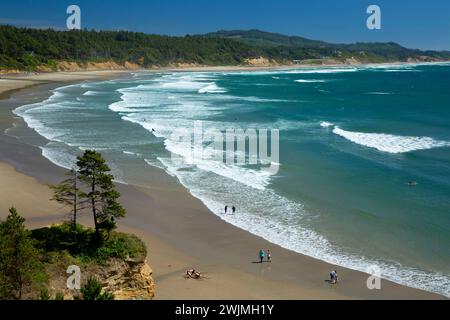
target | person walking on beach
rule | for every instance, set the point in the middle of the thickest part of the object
(262, 254)
(333, 277)
(269, 256)
(226, 208)
(233, 209)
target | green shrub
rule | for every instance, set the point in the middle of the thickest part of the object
(92, 290)
(60, 238)
(43, 294)
(59, 296)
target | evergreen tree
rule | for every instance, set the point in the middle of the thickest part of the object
(68, 194)
(102, 195)
(19, 259)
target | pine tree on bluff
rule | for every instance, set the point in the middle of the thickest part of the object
(68, 193)
(101, 194)
(19, 260)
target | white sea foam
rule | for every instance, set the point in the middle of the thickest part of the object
(401, 70)
(58, 156)
(380, 93)
(91, 93)
(256, 99)
(257, 179)
(405, 67)
(183, 85)
(381, 67)
(390, 143)
(211, 88)
(276, 72)
(30, 113)
(158, 164)
(326, 124)
(322, 70)
(309, 81)
(176, 115)
(131, 153)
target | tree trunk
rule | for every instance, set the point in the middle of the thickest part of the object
(75, 203)
(75, 200)
(94, 211)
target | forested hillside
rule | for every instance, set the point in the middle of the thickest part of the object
(28, 48)
(279, 45)
(32, 49)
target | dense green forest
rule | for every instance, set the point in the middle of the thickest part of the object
(279, 45)
(28, 49)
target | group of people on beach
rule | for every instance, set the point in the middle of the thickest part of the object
(233, 209)
(192, 273)
(263, 254)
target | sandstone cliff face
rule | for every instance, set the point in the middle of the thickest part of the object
(260, 62)
(95, 66)
(126, 279)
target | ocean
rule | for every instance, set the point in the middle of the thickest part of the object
(363, 173)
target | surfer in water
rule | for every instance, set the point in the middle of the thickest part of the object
(412, 183)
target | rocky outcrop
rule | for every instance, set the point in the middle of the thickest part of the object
(259, 62)
(422, 59)
(128, 280)
(95, 66)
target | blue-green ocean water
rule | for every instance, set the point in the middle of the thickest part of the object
(350, 140)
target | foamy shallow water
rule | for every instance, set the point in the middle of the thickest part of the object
(391, 143)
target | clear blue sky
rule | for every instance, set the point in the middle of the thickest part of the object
(413, 23)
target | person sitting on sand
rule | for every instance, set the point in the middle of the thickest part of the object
(262, 254)
(192, 273)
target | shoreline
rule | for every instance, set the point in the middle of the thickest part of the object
(213, 246)
(89, 74)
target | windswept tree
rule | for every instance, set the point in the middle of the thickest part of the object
(102, 196)
(68, 193)
(19, 259)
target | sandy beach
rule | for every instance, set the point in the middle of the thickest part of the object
(178, 229)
